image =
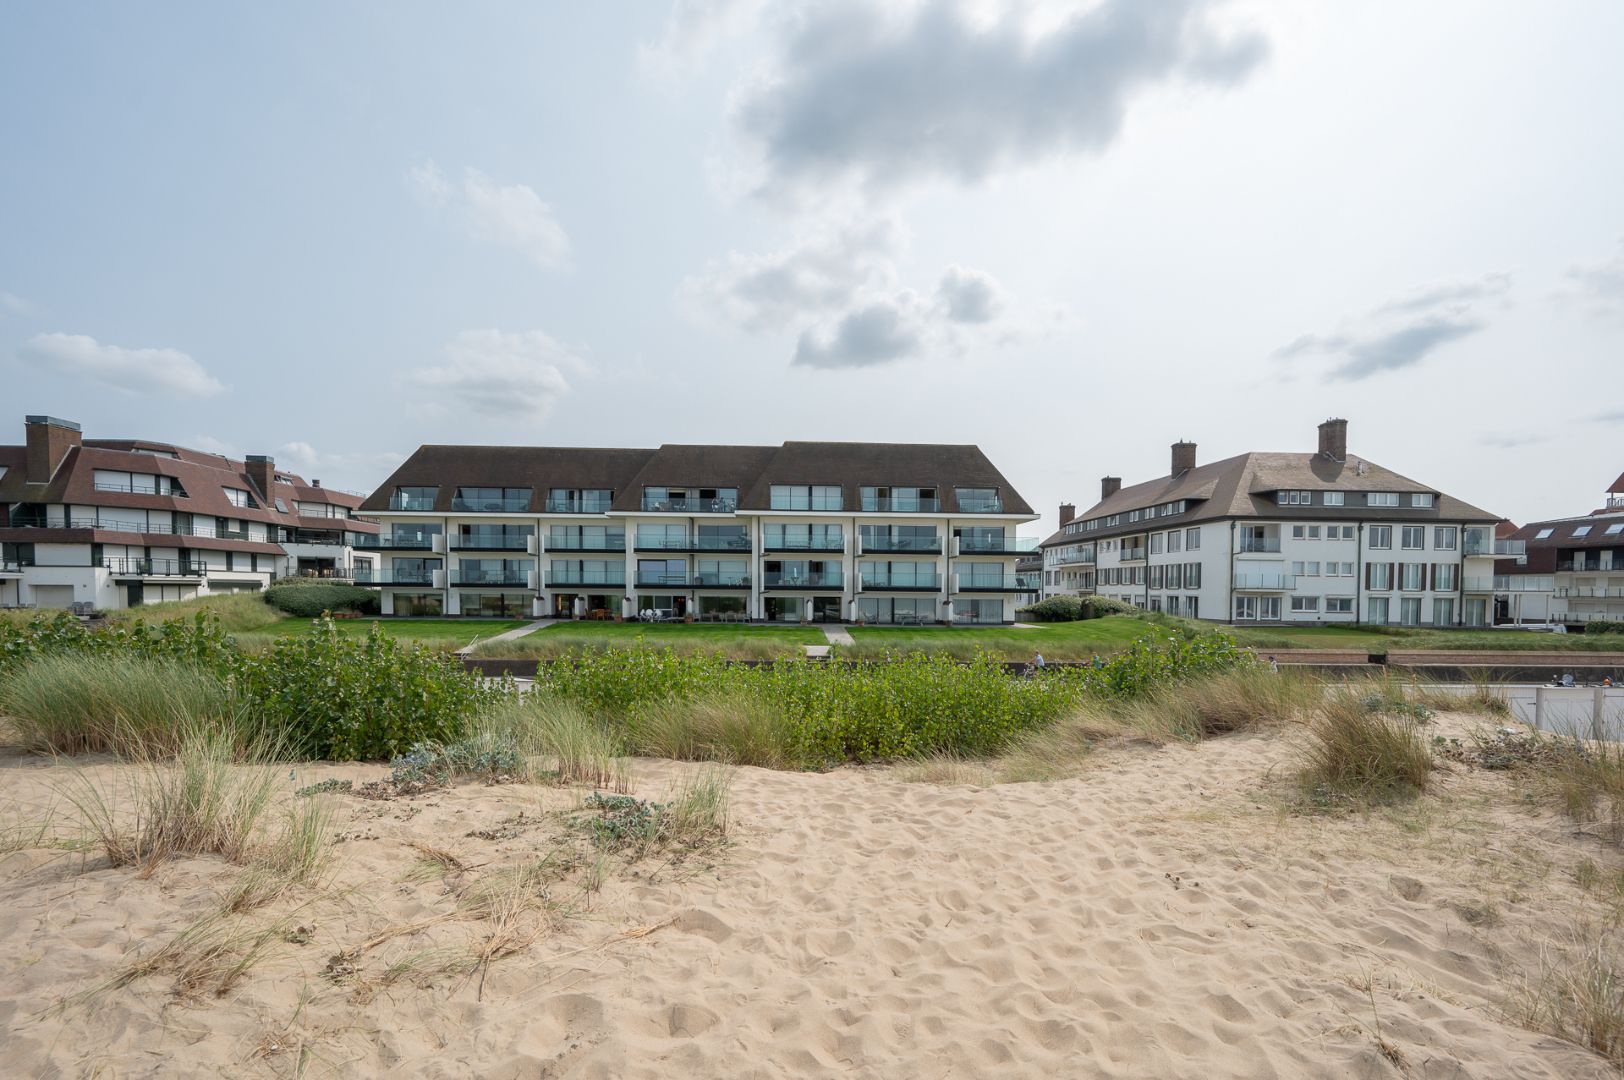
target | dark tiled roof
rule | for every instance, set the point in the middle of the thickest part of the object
(1243, 487)
(751, 469)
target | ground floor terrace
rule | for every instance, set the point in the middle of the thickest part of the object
(657, 604)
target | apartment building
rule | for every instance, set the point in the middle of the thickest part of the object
(112, 523)
(1323, 537)
(805, 531)
(1568, 570)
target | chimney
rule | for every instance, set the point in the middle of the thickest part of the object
(262, 471)
(1067, 512)
(315, 483)
(1109, 485)
(1333, 439)
(1183, 457)
(49, 441)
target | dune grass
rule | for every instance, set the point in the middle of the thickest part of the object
(737, 730)
(557, 739)
(132, 705)
(238, 612)
(1578, 992)
(1362, 748)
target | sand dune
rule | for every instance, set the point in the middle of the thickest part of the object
(1162, 916)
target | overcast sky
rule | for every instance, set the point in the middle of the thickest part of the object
(1070, 232)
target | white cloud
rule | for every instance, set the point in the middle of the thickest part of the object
(878, 332)
(510, 215)
(822, 271)
(1600, 286)
(134, 371)
(691, 28)
(969, 296)
(883, 94)
(499, 374)
(1403, 332)
(12, 304)
(362, 470)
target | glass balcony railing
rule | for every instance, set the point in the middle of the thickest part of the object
(720, 579)
(1479, 584)
(875, 504)
(997, 545)
(518, 578)
(1134, 554)
(515, 505)
(1589, 592)
(1250, 544)
(578, 506)
(398, 501)
(1590, 566)
(926, 545)
(366, 575)
(404, 542)
(1265, 582)
(690, 505)
(1004, 583)
(803, 579)
(10, 566)
(576, 575)
(607, 542)
(981, 504)
(804, 543)
(155, 568)
(693, 543)
(674, 579)
(511, 542)
(910, 582)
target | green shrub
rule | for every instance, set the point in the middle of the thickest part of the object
(1604, 626)
(198, 641)
(1097, 607)
(345, 698)
(1074, 608)
(131, 704)
(309, 597)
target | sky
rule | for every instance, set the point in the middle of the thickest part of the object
(1070, 232)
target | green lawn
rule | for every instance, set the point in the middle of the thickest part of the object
(1057, 641)
(738, 641)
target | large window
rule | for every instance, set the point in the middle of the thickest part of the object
(1257, 609)
(721, 573)
(419, 604)
(900, 500)
(806, 497)
(1382, 498)
(585, 538)
(978, 611)
(413, 498)
(921, 538)
(1376, 610)
(897, 609)
(978, 501)
(804, 538)
(492, 500)
(1409, 611)
(495, 604)
(1444, 577)
(494, 537)
(1413, 537)
(1412, 576)
(898, 575)
(239, 497)
(579, 500)
(1443, 611)
(691, 500)
(1381, 537)
(1443, 538)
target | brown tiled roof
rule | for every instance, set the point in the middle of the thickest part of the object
(1243, 487)
(1618, 486)
(1563, 529)
(750, 469)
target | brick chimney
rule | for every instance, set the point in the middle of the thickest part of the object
(49, 441)
(1333, 439)
(1109, 485)
(262, 471)
(1183, 457)
(1067, 512)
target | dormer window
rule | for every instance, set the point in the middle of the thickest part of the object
(240, 497)
(1294, 498)
(1382, 498)
(492, 500)
(806, 497)
(1421, 500)
(413, 498)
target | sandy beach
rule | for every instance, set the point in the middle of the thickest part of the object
(1164, 915)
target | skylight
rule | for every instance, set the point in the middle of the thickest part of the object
(1543, 534)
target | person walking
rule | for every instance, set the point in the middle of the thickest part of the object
(1037, 661)
(1274, 665)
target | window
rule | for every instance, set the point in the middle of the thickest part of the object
(1381, 536)
(978, 501)
(1380, 575)
(904, 499)
(1413, 537)
(1409, 611)
(413, 498)
(1192, 606)
(1192, 539)
(1348, 533)
(1155, 543)
(1175, 541)
(1172, 605)
(1443, 611)
(1382, 498)
(1421, 499)
(1192, 576)
(1297, 532)
(1443, 538)
(1156, 577)
(806, 497)
(579, 500)
(1305, 603)
(492, 500)
(1376, 609)
(1614, 530)
(1333, 498)
(1582, 530)
(1175, 576)
(1294, 498)
(1443, 577)
(1313, 569)
(1412, 576)
(1543, 534)
(1339, 605)
(1313, 532)
(239, 497)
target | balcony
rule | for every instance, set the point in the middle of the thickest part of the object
(609, 542)
(1135, 554)
(1478, 584)
(689, 506)
(398, 501)
(578, 506)
(804, 579)
(1469, 546)
(491, 506)
(491, 543)
(996, 545)
(877, 505)
(146, 568)
(740, 544)
(398, 542)
(1589, 592)
(512, 579)
(806, 543)
(1264, 582)
(674, 579)
(560, 576)
(1260, 545)
(138, 527)
(1007, 583)
(366, 575)
(1580, 566)
(886, 582)
(720, 579)
(11, 568)
(910, 545)
(175, 492)
(981, 505)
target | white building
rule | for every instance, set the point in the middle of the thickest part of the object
(1322, 538)
(884, 533)
(1568, 570)
(95, 524)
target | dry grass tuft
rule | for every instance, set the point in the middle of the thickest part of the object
(948, 771)
(578, 748)
(300, 855)
(1358, 751)
(737, 730)
(1578, 993)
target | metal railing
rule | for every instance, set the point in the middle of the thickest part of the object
(996, 545)
(877, 580)
(804, 579)
(491, 506)
(1253, 544)
(1580, 566)
(981, 505)
(1265, 582)
(1591, 592)
(155, 567)
(363, 575)
(805, 543)
(492, 543)
(516, 578)
(877, 505)
(576, 575)
(175, 492)
(578, 506)
(693, 543)
(690, 506)
(409, 542)
(398, 501)
(987, 583)
(931, 545)
(610, 542)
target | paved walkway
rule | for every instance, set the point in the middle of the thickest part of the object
(838, 635)
(528, 628)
